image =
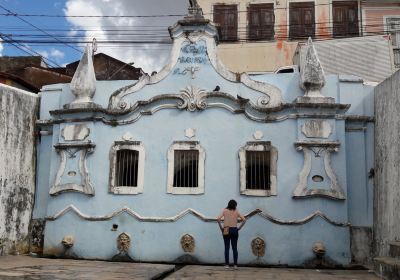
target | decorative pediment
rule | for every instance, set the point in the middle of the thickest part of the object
(194, 62)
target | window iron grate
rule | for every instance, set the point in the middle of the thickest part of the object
(258, 170)
(186, 165)
(126, 173)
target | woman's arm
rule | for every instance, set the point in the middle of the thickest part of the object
(243, 221)
(219, 221)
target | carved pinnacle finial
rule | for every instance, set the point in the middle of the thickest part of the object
(83, 84)
(195, 10)
(312, 74)
(194, 4)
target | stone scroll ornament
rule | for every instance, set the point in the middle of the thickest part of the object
(188, 243)
(313, 151)
(312, 77)
(83, 84)
(72, 174)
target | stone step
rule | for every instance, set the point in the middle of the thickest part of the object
(387, 267)
(394, 250)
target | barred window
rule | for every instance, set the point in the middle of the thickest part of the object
(127, 167)
(258, 170)
(258, 166)
(186, 168)
(186, 164)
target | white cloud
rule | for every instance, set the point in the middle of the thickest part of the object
(1, 47)
(54, 54)
(45, 54)
(150, 57)
(57, 54)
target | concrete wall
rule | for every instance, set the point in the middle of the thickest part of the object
(17, 167)
(387, 176)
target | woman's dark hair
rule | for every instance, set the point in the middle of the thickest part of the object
(231, 205)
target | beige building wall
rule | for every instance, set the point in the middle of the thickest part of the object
(265, 56)
(374, 16)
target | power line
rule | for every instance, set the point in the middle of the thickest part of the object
(34, 26)
(20, 47)
(151, 42)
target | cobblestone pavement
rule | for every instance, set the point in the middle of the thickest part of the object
(29, 268)
(251, 273)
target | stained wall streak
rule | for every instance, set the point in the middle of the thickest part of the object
(387, 163)
(17, 167)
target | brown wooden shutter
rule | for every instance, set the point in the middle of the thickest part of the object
(345, 18)
(227, 18)
(301, 20)
(261, 22)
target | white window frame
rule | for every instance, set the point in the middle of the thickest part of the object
(133, 146)
(189, 146)
(258, 146)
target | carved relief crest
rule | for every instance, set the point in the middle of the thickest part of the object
(193, 98)
(123, 242)
(187, 243)
(258, 247)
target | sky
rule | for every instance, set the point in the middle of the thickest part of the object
(45, 27)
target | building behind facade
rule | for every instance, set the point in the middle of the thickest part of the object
(31, 73)
(262, 35)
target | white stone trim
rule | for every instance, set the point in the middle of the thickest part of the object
(259, 146)
(335, 191)
(127, 145)
(67, 151)
(189, 211)
(185, 145)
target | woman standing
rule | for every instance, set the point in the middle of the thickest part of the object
(230, 231)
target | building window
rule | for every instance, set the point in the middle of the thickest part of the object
(127, 167)
(186, 168)
(186, 164)
(258, 165)
(258, 170)
(301, 20)
(393, 28)
(345, 18)
(261, 21)
(226, 16)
